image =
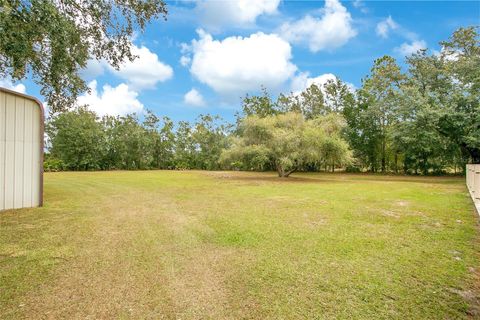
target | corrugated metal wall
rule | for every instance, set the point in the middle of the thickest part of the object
(21, 151)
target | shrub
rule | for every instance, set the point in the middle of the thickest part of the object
(53, 165)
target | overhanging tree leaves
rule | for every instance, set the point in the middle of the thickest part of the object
(51, 40)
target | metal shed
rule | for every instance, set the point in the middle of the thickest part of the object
(21, 150)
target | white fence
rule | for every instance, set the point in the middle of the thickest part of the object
(473, 183)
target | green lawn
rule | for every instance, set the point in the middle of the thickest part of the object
(223, 245)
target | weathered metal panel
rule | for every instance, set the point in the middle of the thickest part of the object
(28, 154)
(21, 151)
(19, 154)
(2, 148)
(37, 163)
(9, 182)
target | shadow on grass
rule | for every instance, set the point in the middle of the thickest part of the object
(339, 177)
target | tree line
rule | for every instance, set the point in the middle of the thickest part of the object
(80, 140)
(421, 120)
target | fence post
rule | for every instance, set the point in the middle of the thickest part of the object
(472, 178)
(468, 177)
(476, 183)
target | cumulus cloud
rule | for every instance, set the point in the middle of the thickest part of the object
(185, 61)
(407, 49)
(194, 98)
(8, 84)
(331, 29)
(145, 71)
(239, 13)
(235, 65)
(303, 80)
(142, 73)
(384, 27)
(93, 69)
(119, 100)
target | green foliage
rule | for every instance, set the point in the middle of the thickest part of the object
(53, 40)
(199, 146)
(287, 142)
(210, 139)
(460, 116)
(426, 120)
(79, 140)
(422, 121)
(131, 144)
(380, 90)
(353, 169)
(261, 105)
(52, 164)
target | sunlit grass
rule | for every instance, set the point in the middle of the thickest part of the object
(197, 245)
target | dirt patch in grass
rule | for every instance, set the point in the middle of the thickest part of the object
(390, 213)
(269, 177)
(402, 203)
(198, 287)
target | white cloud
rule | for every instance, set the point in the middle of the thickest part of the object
(93, 69)
(8, 84)
(384, 26)
(240, 13)
(412, 44)
(235, 65)
(185, 60)
(142, 73)
(406, 49)
(119, 100)
(357, 3)
(360, 5)
(447, 55)
(194, 98)
(46, 109)
(145, 71)
(331, 30)
(303, 80)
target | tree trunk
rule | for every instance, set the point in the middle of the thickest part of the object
(425, 166)
(396, 162)
(284, 174)
(384, 161)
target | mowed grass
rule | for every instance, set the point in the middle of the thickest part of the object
(224, 245)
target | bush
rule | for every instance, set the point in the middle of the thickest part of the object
(353, 169)
(53, 165)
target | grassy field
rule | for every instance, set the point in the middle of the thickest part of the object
(222, 245)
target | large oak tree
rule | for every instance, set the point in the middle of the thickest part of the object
(52, 40)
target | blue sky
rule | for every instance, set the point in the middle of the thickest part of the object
(210, 53)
